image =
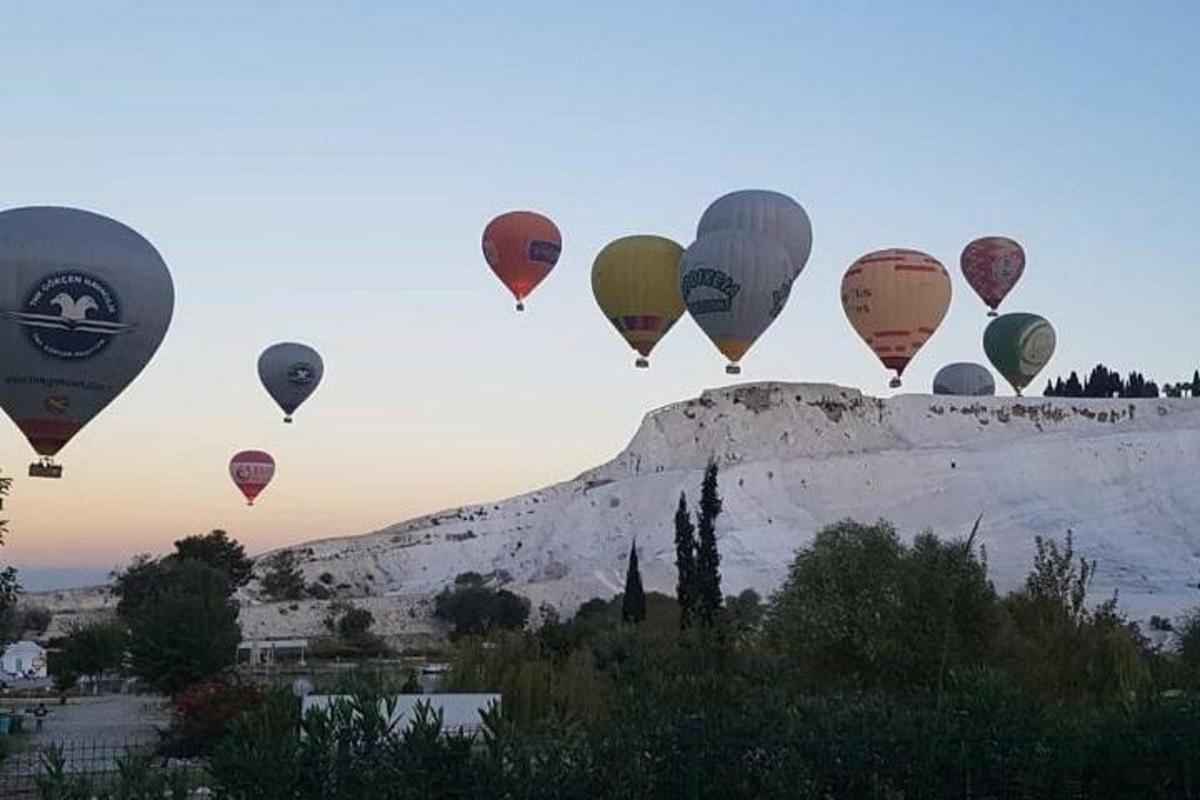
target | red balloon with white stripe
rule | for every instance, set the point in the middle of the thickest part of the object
(251, 471)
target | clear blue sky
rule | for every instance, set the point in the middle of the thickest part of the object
(322, 172)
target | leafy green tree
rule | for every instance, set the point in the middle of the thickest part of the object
(475, 609)
(708, 559)
(283, 579)
(90, 650)
(10, 586)
(685, 563)
(743, 615)
(189, 632)
(633, 602)
(219, 551)
(860, 609)
(1061, 650)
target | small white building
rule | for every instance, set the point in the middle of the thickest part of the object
(24, 659)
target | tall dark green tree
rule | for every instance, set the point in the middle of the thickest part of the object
(1073, 388)
(633, 604)
(10, 587)
(708, 559)
(282, 579)
(188, 632)
(685, 563)
(220, 552)
(1196, 383)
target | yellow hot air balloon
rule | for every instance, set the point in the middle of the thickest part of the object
(636, 283)
(896, 299)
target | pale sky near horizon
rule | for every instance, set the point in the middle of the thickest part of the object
(322, 172)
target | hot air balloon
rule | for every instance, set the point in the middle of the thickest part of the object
(521, 247)
(964, 378)
(762, 211)
(1019, 346)
(84, 303)
(251, 471)
(992, 265)
(290, 372)
(734, 284)
(636, 283)
(896, 299)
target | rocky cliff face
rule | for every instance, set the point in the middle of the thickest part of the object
(1121, 474)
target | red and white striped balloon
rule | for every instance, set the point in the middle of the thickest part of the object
(251, 471)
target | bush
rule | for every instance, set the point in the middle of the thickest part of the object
(861, 609)
(202, 713)
(472, 608)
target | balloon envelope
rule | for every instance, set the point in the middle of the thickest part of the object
(896, 299)
(84, 303)
(992, 266)
(251, 471)
(964, 378)
(290, 372)
(521, 247)
(635, 280)
(734, 284)
(762, 211)
(1019, 346)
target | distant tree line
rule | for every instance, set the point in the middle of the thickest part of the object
(1103, 382)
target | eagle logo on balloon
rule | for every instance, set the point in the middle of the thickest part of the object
(71, 315)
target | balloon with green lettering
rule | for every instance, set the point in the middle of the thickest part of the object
(734, 283)
(1019, 346)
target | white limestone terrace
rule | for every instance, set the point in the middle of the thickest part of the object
(1124, 475)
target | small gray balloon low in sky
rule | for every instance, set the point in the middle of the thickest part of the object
(290, 372)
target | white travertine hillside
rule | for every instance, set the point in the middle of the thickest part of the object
(1124, 475)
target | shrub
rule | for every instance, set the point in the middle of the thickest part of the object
(201, 714)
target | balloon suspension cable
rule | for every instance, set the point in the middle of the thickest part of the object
(642, 363)
(732, 369)
(894, 382)
(520, 306)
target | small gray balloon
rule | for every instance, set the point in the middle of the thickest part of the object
(964, 378)
(290, 372)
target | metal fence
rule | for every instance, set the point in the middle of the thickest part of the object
(29, 773)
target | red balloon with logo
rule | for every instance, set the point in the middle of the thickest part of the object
(521, 247)
(251, 471)
(992, 265)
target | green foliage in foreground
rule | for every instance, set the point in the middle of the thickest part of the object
(880, 670)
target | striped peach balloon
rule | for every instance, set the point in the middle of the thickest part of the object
(896, 299)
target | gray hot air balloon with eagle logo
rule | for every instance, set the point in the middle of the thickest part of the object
(84, 303)
(290, 372)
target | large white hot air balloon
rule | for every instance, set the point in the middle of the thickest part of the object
(734, 284)
(762, 211)
(84, 303)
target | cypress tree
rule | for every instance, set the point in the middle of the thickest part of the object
(685, 562)
(1049, 390)
(1196, 383)
(1073, 387)
(708, 559)
(633, 605)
